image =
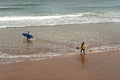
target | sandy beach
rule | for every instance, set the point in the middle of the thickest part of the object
(59, 27)
(94, 66)
(52, 53)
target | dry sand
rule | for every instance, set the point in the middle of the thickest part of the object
(94, 66)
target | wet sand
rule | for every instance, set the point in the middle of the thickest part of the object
(94, 66)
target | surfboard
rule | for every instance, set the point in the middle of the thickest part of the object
(84, 47)
(27, 35)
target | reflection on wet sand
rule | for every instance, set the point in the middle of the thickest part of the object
(82, 60)
(27, 41)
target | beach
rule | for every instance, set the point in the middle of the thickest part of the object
(58, 29)
(96, 66)
(52, 53)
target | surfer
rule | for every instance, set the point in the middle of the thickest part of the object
(82, 48)
(28, 36)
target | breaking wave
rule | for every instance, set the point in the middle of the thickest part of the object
(79, 18)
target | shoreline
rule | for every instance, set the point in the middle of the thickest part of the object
(97, 66)
(57, 40)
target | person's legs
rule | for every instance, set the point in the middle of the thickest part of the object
(84, 51)
(81, 50)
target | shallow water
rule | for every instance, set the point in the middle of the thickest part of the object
(62, 40)
(53, 34)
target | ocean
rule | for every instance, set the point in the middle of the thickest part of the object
(22, 13)
(58, 27)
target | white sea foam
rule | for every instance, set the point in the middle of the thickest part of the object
(8, 58)
(104, 48)
(79, 18)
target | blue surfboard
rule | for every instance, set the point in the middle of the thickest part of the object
(27, 35)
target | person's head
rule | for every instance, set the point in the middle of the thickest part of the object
(83, 43)
(28, 31)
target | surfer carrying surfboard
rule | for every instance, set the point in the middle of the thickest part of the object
(83, 47)
(27, 35)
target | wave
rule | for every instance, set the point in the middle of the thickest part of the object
(28, 4)
(10, 8)
(8, 58)
(79, 18)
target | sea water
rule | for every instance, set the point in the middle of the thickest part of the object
(58, 27)
(21, 13)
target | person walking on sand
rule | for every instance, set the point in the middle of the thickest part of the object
(83, 47)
